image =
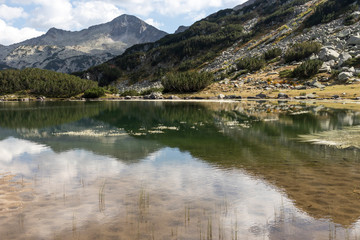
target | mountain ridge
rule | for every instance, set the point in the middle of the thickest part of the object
(69, 51)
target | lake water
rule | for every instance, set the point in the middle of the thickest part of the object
(178, 170)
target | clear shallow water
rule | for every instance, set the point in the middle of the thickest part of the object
(156, 170)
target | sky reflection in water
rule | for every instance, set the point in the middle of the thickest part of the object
(167, 192)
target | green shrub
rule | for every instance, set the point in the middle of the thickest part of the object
(238, 74)
(300, 51)
(272, 53)
(307, 69)
(94, 93)
(353, 62)
(110, 73)
(111, 89)
(187, 81)
(130, 93)
(350, 20)
(274, 60)
(250, 63)
(335, 74)
(286, 73)
(328, 11)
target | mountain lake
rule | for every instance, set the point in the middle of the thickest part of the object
(179, 170)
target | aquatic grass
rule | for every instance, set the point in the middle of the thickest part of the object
(209, 229)
(74, 226)
(102, 197)
(144, 200)
(187, 215)
(21, 222)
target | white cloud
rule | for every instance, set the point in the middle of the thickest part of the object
(154, 23)
(175, 8)
(11, 148)
(94, 12)
(197, 16)
(71, 15)
(171, 7)
(9, 34)
(9, 13)
(55, 13)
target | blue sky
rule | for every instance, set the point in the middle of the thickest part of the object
(24, 19)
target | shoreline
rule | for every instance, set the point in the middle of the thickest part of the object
(332, 102)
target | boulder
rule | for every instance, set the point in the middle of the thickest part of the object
(272, 73)
(173, 97)
(300, 87)
(317, 84)
(313, 56)
(324, 79)
(325, 68)
(311, 96)
(356, 14)
(156, 95)
(282, 96)
(232, 97)
(344, 33)
(344, 76)
(261, 96)
(40, 98)
(354, 40)
(344, 57)
(327, 54)
(331, 63)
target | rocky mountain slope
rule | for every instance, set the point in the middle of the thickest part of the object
(339, 54)
(221, 41)
(3, 66)
(66, 51)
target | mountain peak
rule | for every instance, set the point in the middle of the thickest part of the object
(181, 29)
(53, 31)
(125, 16)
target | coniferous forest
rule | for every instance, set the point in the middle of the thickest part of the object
(42, 82)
